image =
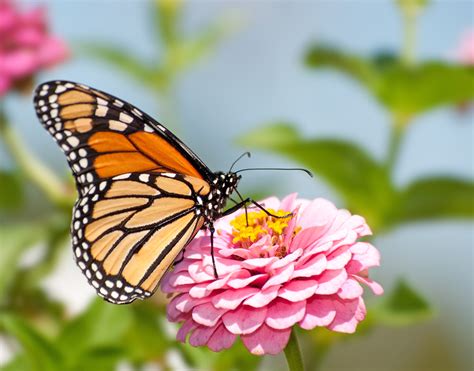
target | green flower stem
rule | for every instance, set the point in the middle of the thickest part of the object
(410, 10)
(293, 354)
(396, 139)
(33, 168)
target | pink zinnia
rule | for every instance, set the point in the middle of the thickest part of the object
(26, 47)
(273, 274)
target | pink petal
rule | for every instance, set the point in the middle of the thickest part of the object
(306, 238)
(311, 268)
(350, 289)
(221, 339)
(185, 329)
(199, 274)
(266, 340)
(319, 213)
(376, 288)
(184, 303)
(18, 64)
(364, 256)
(283, 314)
(258, 262)
(182, 278)
(237, 283)
(263, 297)
(52, 51)
(231, 299)
(282, 276)
(288, 201)
(207, 315)
(173, 314)
(287, 259)
(331, 281)
(348, 314)
(319, 312)
(339, 258)
(244, 320)
(298, 290)
(201, 335)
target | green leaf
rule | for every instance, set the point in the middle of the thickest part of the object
(18, 363)
(360, 69)
(360, 180)
(102, 325)
(409, 91)
(167, 15)
(403, 306)
(39, 351)
(103, 359)
(183, 55)
(404, 90)
(146, 339)
(125, 62)
(11, 191)
(434, 198)
(16, 239)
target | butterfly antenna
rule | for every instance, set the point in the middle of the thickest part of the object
(278, 168)
(238, 158)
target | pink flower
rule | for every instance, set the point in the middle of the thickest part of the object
(26, 47)
(274, 273)
(465, 50)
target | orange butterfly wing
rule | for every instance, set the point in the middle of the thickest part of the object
(138, 186)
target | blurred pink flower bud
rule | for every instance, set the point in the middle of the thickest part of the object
(26, 47)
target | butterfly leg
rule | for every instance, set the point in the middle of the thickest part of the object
(247, 200)
(212, 230)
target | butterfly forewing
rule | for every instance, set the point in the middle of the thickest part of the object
(103, 137)
(138, 188)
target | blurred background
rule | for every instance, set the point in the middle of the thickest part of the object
(374, 97)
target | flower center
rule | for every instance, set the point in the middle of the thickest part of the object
(259, 224)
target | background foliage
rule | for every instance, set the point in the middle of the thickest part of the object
(35, 202)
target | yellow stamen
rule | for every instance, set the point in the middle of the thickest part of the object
(259, 224)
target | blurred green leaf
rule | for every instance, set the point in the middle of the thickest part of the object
(410, 91)
(39, 351)
(15, 240)
(403, 306)
(102, 325)
(361, 181)
(11, 191)
(103, 359)
(18, 363)
(404, 90)
(360, 69)
(438, 197)
(167, 15)
(183, 55)
(128, 64)
(146, 339)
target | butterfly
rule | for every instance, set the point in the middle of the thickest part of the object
(143, 194)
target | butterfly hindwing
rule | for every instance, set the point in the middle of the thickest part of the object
(127, 231)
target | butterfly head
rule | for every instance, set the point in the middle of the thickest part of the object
(223, 185)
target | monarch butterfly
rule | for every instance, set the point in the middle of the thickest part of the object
(143, 194)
